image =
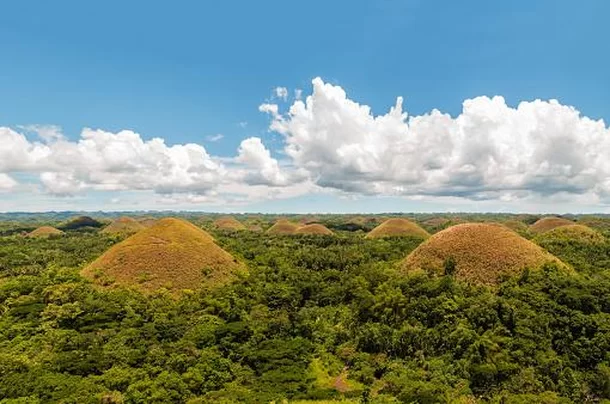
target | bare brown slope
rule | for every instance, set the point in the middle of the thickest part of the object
(123, 225)
(173, 253)
(573, 232)
(314, 228)
(549, 223)
(45, 231)
(397, 227)
(480, 252)
(228, 223)
(283, 226)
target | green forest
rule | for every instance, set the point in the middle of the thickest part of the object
(314, 319)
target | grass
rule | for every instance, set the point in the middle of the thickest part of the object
(481, 253)
(172, 254)
(549, 223)
(45, 231)
(314, 228)
(81, 222)
(147, 221)
(123, 225)
(397, 227)
(283, 226)
(228, 223)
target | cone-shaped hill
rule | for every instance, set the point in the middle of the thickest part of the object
(228, 223)
(397, 227)
(479, 253)
(81, 222)
(314, 228)
(571, 233)
(123, 225)
(173, 253)
(147, 221)
(283, 226)
(45, 231)
(549, 223)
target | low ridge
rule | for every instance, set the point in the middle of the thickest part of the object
(549, 223)
(123, 225)
(228, 223)
(173, 253)
(477, 252)
(283, 226)
(45, 231)
(398, 227)
(314, 228)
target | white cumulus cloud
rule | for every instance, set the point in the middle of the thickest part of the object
(281, 93)
(489, 151)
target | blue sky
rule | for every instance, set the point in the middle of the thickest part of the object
(187, 70)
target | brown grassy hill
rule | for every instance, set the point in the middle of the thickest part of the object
(228, 223)
(572, 232)
(516, 225)
(173, 253)
(480, 253)
(123, 225)
(81, 222)
(397, 227)
(147, 221)
(44, 231)
(549, 223)
(283, 226)
(314, 228)
(597, 223)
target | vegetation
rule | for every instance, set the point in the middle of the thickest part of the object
(283, 226)
(397, 227)
(316, 319)
(479, 253)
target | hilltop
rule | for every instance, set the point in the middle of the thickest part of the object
(45, 231)
(283, 226)
(229, 223)
(549, 223)
(397, 227)
(123, 225)
(314, 228)
(81, 222)
(477, 252)
(173, 253)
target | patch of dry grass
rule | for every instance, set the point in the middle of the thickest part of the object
(45, 231)
(479, 252)
(123, 225)
(283, 226)
(172, 254)
(549, 223)
(147, 221)
(314, 228)
(229, 223)
(397, 227)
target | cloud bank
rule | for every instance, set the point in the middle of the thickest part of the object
(491, 151)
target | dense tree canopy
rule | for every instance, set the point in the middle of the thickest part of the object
(316, 318)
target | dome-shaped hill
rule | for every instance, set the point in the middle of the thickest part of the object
(123, 225)
(597, 223)
(314, 228)
(147, 221)
(228, 223)
(478, 253)
(573, 232)
(81, 222)
(45, 231)
(549, 223)
(173, 253)
(283, 226)
(397, 227)
(516, 225)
